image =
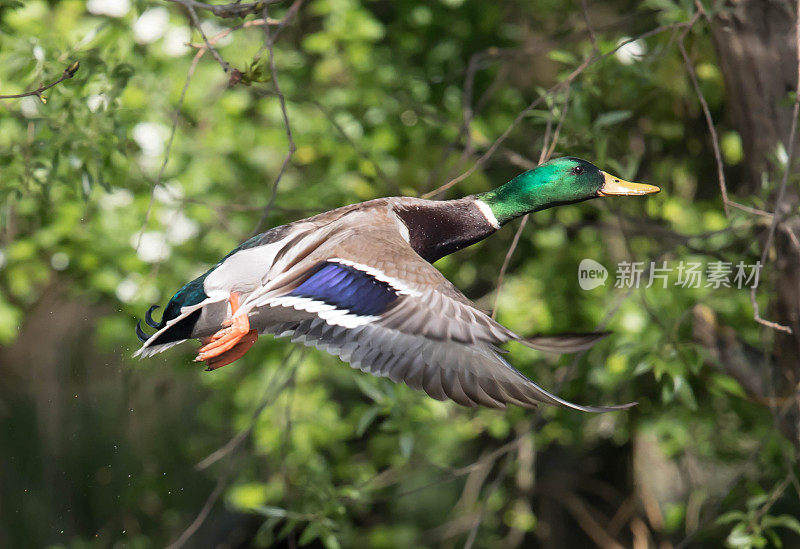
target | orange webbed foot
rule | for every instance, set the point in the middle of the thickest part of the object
(235, 353)
(230, 343)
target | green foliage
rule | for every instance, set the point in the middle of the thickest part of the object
(375, 95)
(756, 527)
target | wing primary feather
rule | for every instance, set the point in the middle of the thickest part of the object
(564, 343)
(452, 387)
(471, 383)
(534, 393)
(395, 373)
(432, 382)
(389, 365)
(413, 377)
(516, 396)
(492, 388)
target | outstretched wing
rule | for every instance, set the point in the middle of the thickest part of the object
(398, 317)
(470, 375)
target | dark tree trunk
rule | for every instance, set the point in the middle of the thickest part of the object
(755, 41)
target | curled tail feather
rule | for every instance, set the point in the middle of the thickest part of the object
(148, 319)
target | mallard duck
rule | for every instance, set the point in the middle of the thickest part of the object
(358, 282)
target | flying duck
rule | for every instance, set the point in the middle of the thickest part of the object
(358, 282)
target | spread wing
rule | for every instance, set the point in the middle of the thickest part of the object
(388, 312)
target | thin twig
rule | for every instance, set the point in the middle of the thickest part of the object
(706, 111)
(226, 32)
(466, 100)
(589, 27)
(749, 209)
(202, 49)
(554, 141)
(292, 147)
(582, 515)
(204, 512)
(792, 237)
(232, 10)
(270, 394)
(519, 160)
(168, 148)
(515, 241)
(223, 480)
(547, 151)
(589, 61)
(288, 16)
(358, 150)
(506, 261)
(190, 7)
(468, 114)
(68, 73)
(492, 489)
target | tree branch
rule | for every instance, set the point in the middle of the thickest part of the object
(228, 11)
(226, 67)
(68, 73)
(547, 151)
(586, 63)
(706, 111)
(168, 148)
(201, 517)
(269, 40)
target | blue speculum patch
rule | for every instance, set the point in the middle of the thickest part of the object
(347, 288)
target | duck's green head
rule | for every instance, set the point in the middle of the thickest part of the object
(561, 181)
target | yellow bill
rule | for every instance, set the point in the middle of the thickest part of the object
(614, 186)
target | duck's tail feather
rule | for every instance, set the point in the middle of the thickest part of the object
(169, 332)
(149, 319)
(141, 334)
(564, 343)
(150, 350)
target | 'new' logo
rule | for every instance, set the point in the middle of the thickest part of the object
(591, 274)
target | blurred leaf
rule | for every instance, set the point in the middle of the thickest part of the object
(366, 419)
(272, 512)
(785, 521)
(610, 118)
(369, 388)
(406, 445)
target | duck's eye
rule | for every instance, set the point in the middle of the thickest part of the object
(577, 170)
